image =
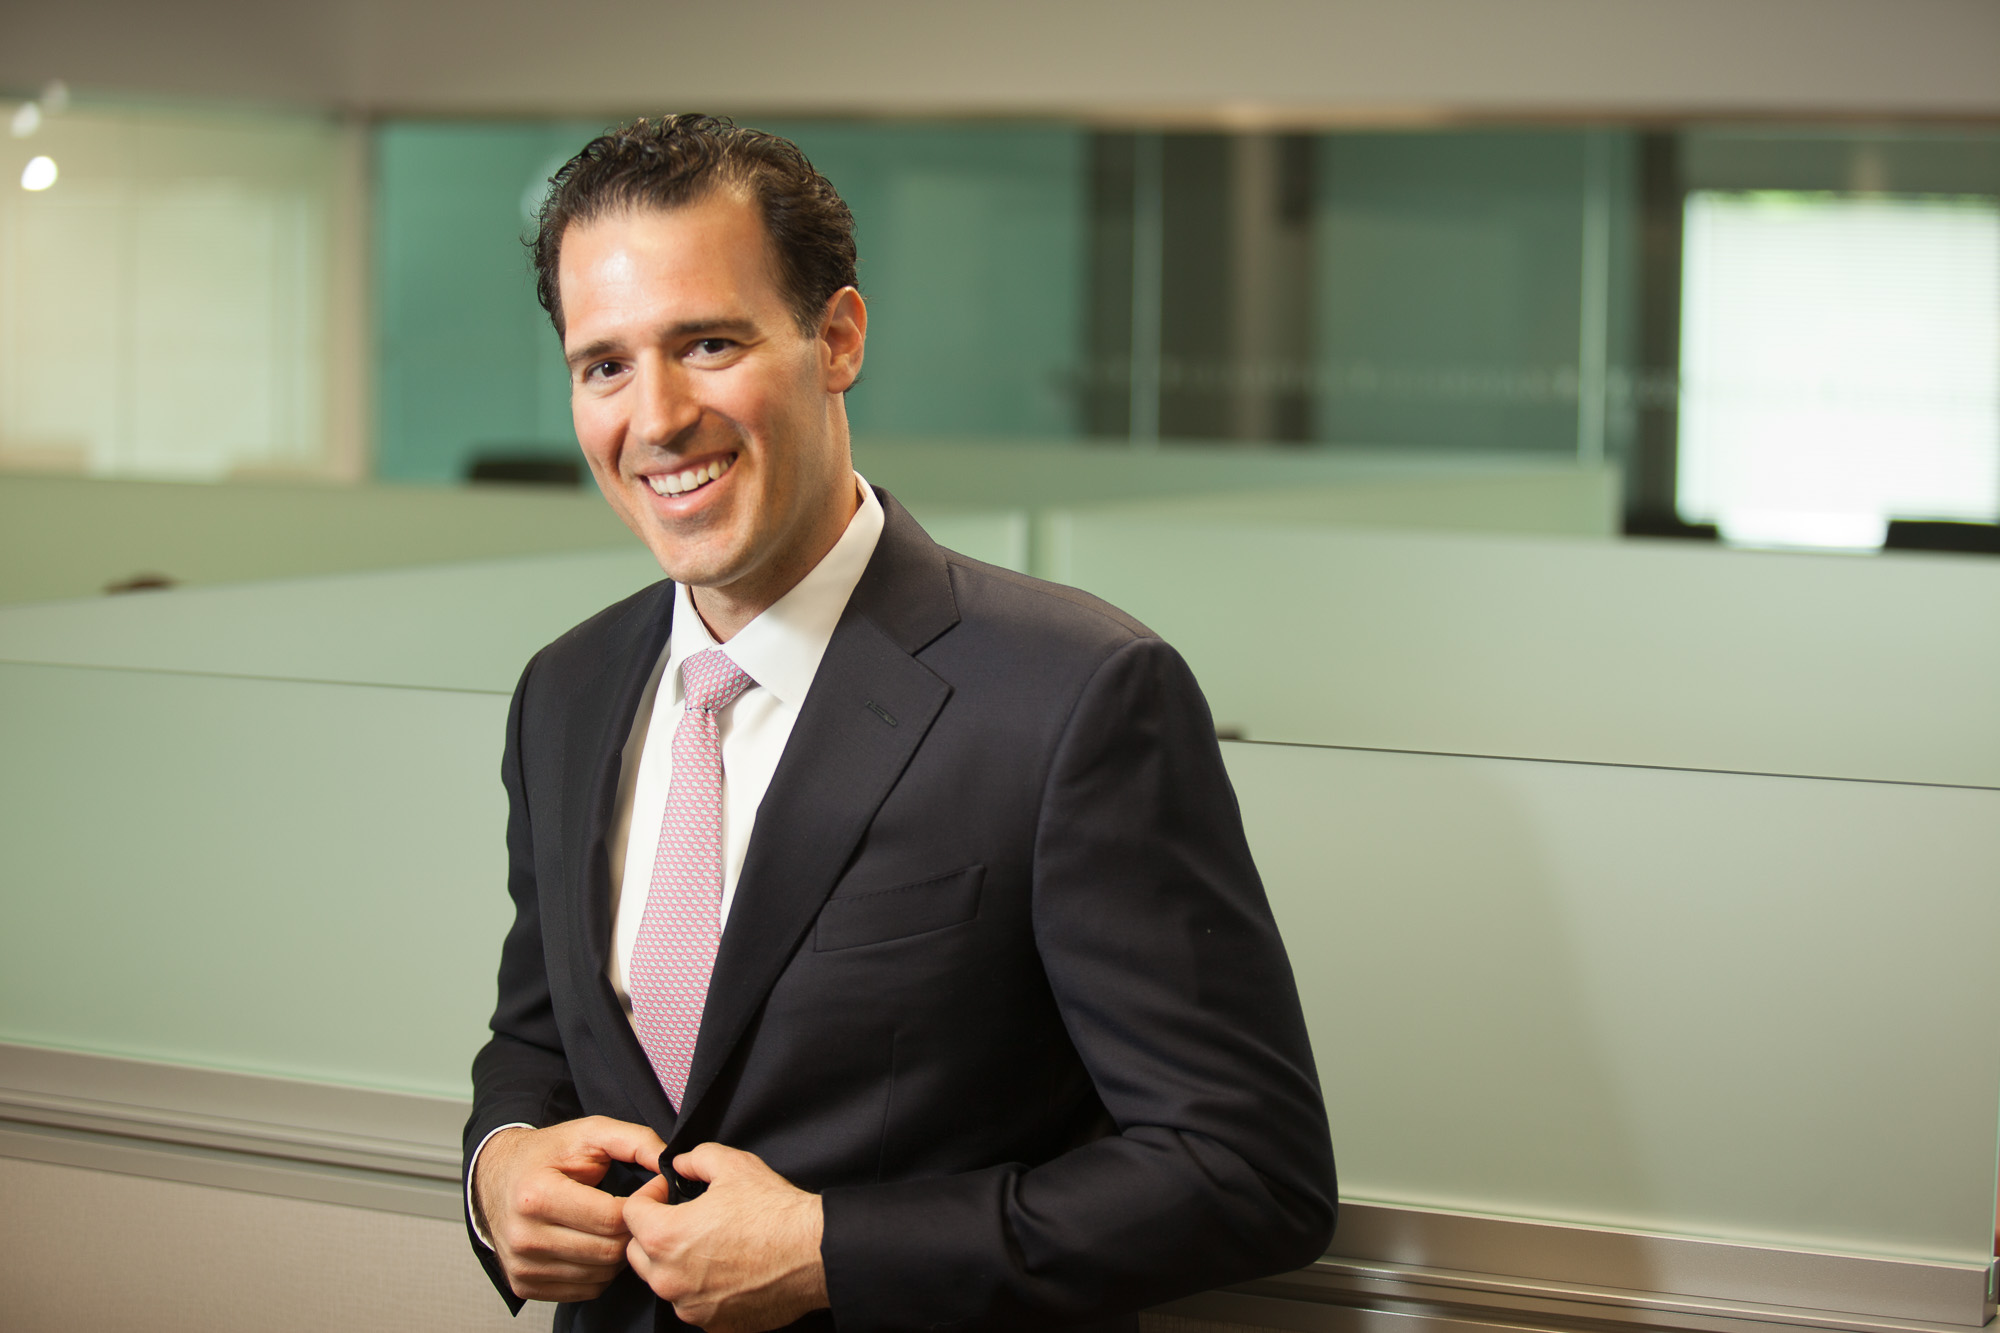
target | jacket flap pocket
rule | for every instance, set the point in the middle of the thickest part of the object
(891, 914)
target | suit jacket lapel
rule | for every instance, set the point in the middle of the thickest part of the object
(602, 723)
(870, 705)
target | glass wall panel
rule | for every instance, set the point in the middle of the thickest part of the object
(1462, 291)
(1458, 277)
(466, 361)
(972, 252)
(972, 243)
(1505, 294)
(1202, 257)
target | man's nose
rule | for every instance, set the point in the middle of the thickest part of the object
(666, 405)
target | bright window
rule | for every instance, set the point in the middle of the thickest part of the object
(1840, 364)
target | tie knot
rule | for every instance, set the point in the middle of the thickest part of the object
(711, 682)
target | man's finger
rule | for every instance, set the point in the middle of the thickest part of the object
(639, 1216)
(543, 1245)
(545, 1270)
(530, 1288)
(623, 1140)
(552, 1197)
(647, 1211)
(640, 1261)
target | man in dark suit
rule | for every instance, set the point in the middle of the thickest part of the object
(926, 961)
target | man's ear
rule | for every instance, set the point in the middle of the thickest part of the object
(843, 336)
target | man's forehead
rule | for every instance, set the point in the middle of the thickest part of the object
(713, 251)
(687, 230)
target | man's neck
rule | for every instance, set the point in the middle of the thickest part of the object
(726, 610)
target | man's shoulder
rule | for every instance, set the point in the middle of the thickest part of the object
(942, 605)
(1022, 616)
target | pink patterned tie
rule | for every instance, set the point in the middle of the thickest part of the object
(675, 951)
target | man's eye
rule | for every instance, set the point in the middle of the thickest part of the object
(601, 370)
(712, 346)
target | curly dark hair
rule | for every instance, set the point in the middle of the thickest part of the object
(680, 159)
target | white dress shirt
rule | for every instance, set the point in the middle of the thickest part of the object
(780, 650)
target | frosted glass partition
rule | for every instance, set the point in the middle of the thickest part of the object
(71, 537)
(225, 808)
(1729, 1005)
(1627, 652)
(268, 876)
(1736, 1006)
(453, 627)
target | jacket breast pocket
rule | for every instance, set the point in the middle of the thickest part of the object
(850, 920)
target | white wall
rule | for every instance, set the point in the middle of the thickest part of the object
(1359, 58)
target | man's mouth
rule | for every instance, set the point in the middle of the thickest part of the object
(690, 479)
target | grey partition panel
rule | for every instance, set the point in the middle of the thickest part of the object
(274, 877)
(970, 474)
(1564, 501)
(469, 626)
(71, 536)
(1628, 652)
(1721, 1005)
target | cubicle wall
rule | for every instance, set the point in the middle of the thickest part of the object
(1638, 652)
(63, 537)
(1658, 1003)
(1640, 897)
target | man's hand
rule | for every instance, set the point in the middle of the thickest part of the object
(741, 1258)
(558, 1238)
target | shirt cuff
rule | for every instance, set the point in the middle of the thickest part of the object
(471, 1172)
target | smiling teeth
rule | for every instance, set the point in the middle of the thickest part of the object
(680, 483)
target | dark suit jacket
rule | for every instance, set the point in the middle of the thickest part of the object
(999, 980)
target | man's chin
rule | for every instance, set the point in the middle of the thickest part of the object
(697, 579)
(686, 558)
(700, 575)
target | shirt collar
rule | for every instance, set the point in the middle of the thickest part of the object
(782, 647)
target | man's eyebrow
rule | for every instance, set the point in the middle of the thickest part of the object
(688, 328)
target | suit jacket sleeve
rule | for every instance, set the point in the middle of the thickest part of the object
(1162, 955)
(521, 1075)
